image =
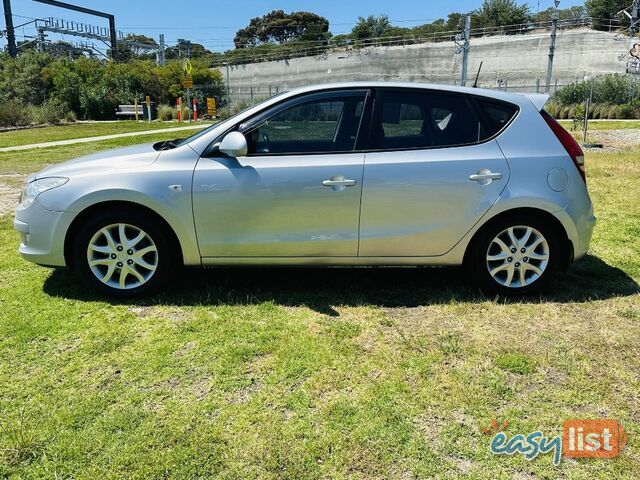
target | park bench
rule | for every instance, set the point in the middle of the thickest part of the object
(129, 110)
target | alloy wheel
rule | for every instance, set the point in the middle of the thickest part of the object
(517, 256)
(122, 256)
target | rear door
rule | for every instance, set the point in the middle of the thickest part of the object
(431, 172)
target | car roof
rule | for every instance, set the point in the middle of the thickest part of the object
(537, 99)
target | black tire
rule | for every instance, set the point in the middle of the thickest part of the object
(479, 266)
(166, 257)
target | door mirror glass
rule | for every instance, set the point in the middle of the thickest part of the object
(234, 145)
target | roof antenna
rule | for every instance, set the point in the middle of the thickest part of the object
(475, 84)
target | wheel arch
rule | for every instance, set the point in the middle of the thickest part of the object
(548, 218)
(100, 207)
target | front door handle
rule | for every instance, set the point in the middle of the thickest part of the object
(485, 176)
(338, 183)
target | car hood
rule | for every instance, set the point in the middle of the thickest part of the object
(120, 158)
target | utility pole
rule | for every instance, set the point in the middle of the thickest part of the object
(552, 46)
(11, 35)
(160, 55)
(634, 18)
(228, 90)
(465, 50)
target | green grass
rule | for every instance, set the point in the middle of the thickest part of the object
(79, 130)
(28, 161)
(605, 124)
(339, 373)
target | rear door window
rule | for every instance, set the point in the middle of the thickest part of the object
(410, 119)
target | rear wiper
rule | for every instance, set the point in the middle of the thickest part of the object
(167, 144)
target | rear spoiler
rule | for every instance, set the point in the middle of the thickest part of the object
(538, 99)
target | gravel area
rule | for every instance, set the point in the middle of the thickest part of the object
(615, 139)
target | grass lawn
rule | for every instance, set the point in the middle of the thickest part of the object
(32, 160)
(605, 124)
(338, 373)
(81, 130)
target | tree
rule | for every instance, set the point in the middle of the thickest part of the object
(186, 49)
(602, 11)
(280, 27)
(140, 46)
(572, 13)
(499, 13)
(21, 78)
(371, 27)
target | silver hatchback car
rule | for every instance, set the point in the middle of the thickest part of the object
(343, 174)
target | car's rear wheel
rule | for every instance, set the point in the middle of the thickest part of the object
(124, 254)
(516, 255)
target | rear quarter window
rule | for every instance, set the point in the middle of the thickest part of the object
(497, 115)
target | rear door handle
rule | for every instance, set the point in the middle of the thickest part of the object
(485, 176)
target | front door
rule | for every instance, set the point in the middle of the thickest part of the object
(296, 193)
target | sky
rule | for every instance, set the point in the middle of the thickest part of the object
(214, 23)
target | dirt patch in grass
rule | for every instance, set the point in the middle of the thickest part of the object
(10, 185)
(254, 373)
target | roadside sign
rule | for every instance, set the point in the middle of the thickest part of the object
(187, 82)
(186, 66)
(211, 107)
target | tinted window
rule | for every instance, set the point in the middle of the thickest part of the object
(498, 114)
(324, 125)
(412, 119)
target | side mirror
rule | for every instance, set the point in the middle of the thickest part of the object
(234, 145)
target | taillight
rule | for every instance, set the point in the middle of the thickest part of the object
(568, 142)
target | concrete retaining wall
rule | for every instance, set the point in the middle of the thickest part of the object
(516, 62)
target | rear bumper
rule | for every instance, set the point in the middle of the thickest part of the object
(588, 227)
(579, 230)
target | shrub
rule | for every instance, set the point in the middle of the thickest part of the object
(166, 112)
(69, 116)
(52, 111)
(628, 111)
(595, 111)
(14, 113)
(615, 89)
(613, 112)
(552, 109)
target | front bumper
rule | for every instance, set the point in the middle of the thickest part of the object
(42, 234)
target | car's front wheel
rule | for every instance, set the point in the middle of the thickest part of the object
(124, 254)
(516, 255)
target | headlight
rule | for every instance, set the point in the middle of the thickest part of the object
(35, 188)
